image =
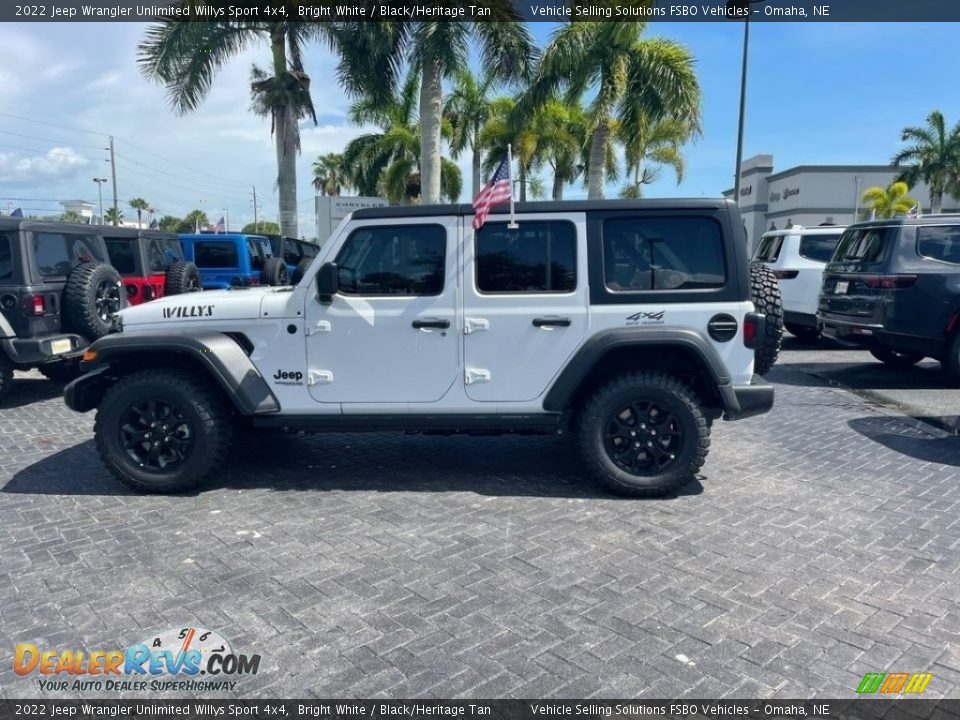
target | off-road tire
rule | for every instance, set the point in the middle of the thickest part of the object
(896, 359)
(61, 371)
(803, 332)
(79, 307)
(182, 277)
(275, 272)
(301, 270)
(204, 410)
(6, 377)
(765, 294)
(598, 416)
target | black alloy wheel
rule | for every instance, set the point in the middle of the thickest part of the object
(107, 300)
(644, 438)
(156, 435)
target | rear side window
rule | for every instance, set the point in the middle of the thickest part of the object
(309, 250)
(6, 258)
(769, 248)
(818, 247)
(209, 254)
(538, 257)
(121, 255)
(171, 250)
(867, 245)
(662, 254)
(939, 243)
(156, 262)
(393, 260)
(56, 254)
(291, 254)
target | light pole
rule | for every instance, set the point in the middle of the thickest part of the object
(100, 182)
(856, 200)
(735, 8)
(226, 215)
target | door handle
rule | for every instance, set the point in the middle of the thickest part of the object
(551, 322)
(431, 323)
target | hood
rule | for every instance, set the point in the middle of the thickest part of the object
(199, 306)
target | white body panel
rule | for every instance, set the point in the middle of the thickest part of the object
(800, 293)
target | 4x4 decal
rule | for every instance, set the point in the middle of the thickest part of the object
(646, 318)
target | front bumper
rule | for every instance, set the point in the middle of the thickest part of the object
(37, 351)
(743, 401)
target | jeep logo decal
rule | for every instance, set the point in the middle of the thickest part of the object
(291, 377)
(188, 311)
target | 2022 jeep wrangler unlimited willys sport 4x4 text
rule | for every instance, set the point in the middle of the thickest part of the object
(631, 322)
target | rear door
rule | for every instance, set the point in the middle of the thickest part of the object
(854, 281)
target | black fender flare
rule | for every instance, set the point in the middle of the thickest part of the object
(217, 353)
(591, 352)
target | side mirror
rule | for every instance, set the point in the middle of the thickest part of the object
(328, 282)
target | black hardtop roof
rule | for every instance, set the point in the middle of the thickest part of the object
(548, 206)
(8, 224)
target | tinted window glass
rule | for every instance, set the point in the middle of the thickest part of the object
(172, 251)
(275, 243)
(121, 255)
(291, 252)
(155, 259)
(56, 254)
(215, 254)
(939, 243)
(864, 244)
(309, 250)
(538, 256)
(662, 254)
(6, 258)
(769, 248)
(258, 253)
(818, 247)
(394, 260)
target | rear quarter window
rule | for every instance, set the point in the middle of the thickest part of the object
(818, 247)
(769, 248)
(56, 254)
(939, 243)
(121, 255)
(212, 254)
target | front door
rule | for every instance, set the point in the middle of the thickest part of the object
(525, 304)
(390, 334)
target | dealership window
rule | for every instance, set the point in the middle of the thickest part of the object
(818, 247)
(662, 254)
(393, 260)
(537, 257)
(215, 254)
(939, 243)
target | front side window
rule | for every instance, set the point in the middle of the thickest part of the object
(393, 260)
(538, 257)
(939, 243)
(56, 254)
(213, 254)
(6, 258)
(818, 247)
(120, 251)
(769, 248)
(662, 254)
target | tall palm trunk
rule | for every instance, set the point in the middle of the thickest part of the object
(431, 111)
(285, 139)
(596, 173)
(557, 185)
(936, 200)
(637, 175)
(477, 180)
(523, 183)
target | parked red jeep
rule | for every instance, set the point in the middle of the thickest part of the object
(151, 263)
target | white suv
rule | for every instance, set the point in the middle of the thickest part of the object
(634, 324)
(797, 256)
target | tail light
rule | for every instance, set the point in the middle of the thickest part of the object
(34, 305)
(754, 325)
(131, 290)
(786, 274)
(887, 282)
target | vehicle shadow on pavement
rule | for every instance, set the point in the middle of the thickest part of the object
(868, 375)
(27, 391)
(381, 462)
(822, 343)
(908, 437)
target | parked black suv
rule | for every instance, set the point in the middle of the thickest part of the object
(893, 286)
(57, 294)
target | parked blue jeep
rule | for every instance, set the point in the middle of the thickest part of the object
(234, 260)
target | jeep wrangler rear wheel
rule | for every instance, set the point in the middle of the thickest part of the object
(162, 431)
(765, 293)
(6, 377)
(182, 277)
(643, 434)
(92, 296)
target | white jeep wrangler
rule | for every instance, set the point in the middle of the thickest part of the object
(631, 322)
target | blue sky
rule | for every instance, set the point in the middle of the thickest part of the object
(818, 94)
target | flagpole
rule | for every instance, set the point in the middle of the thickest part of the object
(512, 225)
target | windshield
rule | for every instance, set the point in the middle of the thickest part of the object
(868, 245)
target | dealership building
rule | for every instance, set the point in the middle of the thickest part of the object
(812, 194)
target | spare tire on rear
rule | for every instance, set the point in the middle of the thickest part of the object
(765, 294)
(92, 296)
(275, 272)
(182, 277)
(301, 270)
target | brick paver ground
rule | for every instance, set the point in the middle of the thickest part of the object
(821, 542)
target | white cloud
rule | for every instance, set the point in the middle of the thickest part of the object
(59, 162)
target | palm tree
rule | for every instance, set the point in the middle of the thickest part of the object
(169, 223)
(185, 56)
(468, 108)
(933, 156)
(633, 80)
(139, 204)
(388, 162)
(328, 174)
(649, 148)
(71, 216)
(437, 50)
(889, 201)
(194, 220)
(113, 216)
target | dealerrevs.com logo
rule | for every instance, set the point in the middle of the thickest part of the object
(173, 660)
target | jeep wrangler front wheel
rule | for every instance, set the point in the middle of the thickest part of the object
(162, 431)
(643, 434)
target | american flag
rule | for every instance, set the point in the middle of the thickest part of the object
(221, 226)
(18, 213)
(498, 190)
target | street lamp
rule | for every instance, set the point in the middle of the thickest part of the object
(226, 215)
(735, 9)
(100, 182)
(856, 200)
